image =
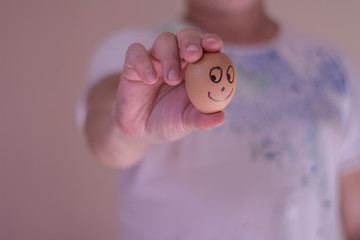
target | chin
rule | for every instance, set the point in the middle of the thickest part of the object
(236, 5)
(226, 5)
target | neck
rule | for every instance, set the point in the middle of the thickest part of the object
(246, 27)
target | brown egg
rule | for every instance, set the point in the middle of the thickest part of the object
(211, 82)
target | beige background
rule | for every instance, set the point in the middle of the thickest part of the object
(50, 186)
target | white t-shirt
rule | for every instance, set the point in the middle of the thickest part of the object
(271, 171)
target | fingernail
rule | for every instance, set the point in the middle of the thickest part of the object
(192, 48)
(150, 76)
(174, 75)
(211, 39)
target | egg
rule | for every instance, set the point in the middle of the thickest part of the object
(211, 82)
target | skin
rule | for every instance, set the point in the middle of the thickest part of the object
(350, 204)
(147, 103)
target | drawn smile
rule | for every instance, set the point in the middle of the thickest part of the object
(220, 100)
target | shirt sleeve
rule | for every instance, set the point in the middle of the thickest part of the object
(350, 154)
(108, 59)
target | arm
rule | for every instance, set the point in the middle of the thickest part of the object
(350, 204)
(106, 140)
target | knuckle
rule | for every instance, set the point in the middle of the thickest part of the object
(135, 46)
(186, 32)
(136, 54)
(128, 125)
(140, 64)
(129, 128)
(165, 36)
(165, 45)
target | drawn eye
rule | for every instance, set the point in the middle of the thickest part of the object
(230, 74)
(216, 74)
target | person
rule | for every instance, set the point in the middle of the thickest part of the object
(284, 164)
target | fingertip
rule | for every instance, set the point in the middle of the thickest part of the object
(189, 43)
(211, 42)
(173, 77)
(192, 53)
(219, 119)
(151, 77)
(208, 121)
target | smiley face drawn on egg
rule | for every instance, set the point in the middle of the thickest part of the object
(211, 82)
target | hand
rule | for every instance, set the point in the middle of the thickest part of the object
(151, 100)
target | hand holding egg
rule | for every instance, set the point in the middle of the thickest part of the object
(152, 104)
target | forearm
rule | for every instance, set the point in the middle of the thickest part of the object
(106, 140)
(350, 204)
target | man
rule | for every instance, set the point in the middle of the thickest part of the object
(269, 171)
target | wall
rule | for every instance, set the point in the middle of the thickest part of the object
(50, 186)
